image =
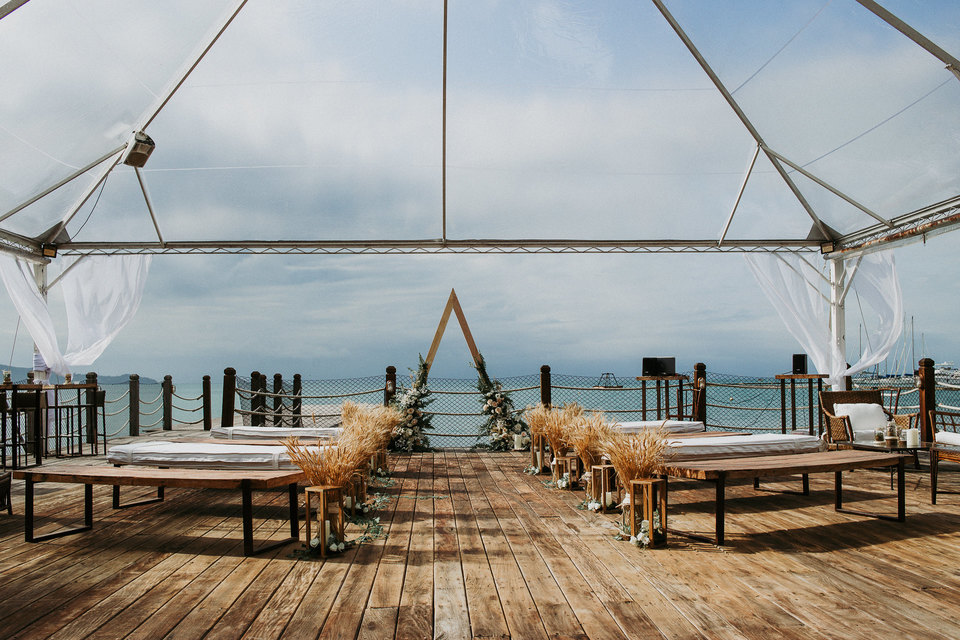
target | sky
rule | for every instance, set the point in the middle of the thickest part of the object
(565, 120)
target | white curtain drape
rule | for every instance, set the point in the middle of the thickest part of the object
(22, 288)
(101, 295)
(796, 290)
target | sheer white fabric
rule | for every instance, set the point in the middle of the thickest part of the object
(796, 290)
(101, 295)
(22, 288)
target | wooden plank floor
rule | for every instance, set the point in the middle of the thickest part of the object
(477, 549)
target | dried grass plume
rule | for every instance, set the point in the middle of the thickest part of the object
(639, 455)
(366, 430)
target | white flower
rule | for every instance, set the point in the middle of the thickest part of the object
(314, 542)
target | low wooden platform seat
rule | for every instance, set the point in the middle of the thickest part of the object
(244, 481)
(945, 446)
(719, 471)
(856, 415)
(276, 433)
(201, 455)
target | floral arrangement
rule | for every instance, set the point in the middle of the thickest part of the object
(502, 422)
(409, 435)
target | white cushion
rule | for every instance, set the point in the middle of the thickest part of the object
(865, 419)
(201, 455)
(670, 426)
(947, 437)
(275, 433)
(757, 444)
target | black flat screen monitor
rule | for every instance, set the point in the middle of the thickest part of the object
(659, 366)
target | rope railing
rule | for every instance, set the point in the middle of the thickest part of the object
(193, 399)
(742, 385)
(146, 427)
(249, 395)
(151, 413)
(726, 406)
(184, 409)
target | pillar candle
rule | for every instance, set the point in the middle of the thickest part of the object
(913, 437)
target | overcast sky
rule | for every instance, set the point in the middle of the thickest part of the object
(566, 120)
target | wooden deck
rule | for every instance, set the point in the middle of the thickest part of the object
(478, 549)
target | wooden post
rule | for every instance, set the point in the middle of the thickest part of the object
(134, 407)
(700, 388)
(390, 385)
(927, 381)
(257, 419)
(207, 409)
(277, 400)
(167, 388)
(546, 391)
(297, 400)
(228, 401)
(91, 394)
(783, 405)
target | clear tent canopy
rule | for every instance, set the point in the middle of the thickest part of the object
(536, 125)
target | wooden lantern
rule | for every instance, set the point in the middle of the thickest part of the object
(329, 514)
(355, 492)
(604, 486)
(538, 455)
(570, 465)
(648, 502)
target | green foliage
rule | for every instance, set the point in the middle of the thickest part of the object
(502, 419)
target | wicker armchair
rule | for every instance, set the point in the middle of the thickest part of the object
(948, 421)
(838, 428)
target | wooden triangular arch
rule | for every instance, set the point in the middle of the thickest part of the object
(453, 304)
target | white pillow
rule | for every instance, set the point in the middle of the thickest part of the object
(947, 437)
(864, 418)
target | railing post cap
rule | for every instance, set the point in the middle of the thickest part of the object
(391, 369)
(229, 371)
(134, 376)
(206, 377)
(926, 362)
(168, 377)
(545, 369)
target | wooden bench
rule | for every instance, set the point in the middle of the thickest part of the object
(721, 470)
(244, 480)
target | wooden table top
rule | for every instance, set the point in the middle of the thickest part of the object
(761, 466)
(150, 476)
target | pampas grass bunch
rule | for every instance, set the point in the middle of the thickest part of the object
(536, 418)
(587, 435)
(639, 455)
(366, 430)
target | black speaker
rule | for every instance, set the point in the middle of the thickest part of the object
(800, 363)
(659, 367)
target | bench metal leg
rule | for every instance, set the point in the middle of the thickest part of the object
(901, 498)
(116, 499)
(247, 513)
(28, 521)
(721, 506)
(934, 468)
